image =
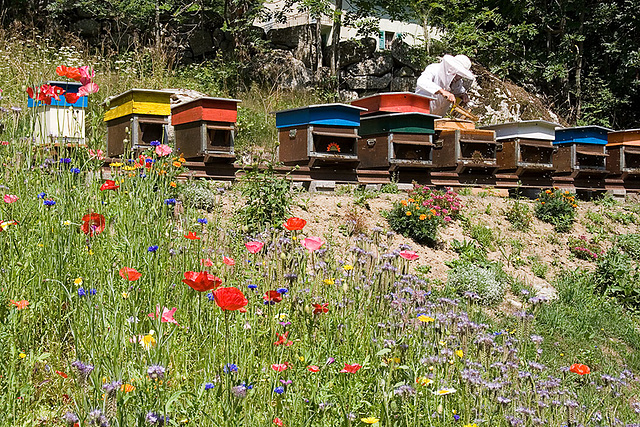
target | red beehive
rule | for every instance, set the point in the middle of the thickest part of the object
(394, 102)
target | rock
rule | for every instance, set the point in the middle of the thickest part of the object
(348, 95)
(180, 96)
(299, 39)
(352, 51)
(87, 27)
(401, 53)
(404, 84)
(368, 82)
(379, 65)
(404, 72)
(285, 38)
(201, 42)
(280, 67)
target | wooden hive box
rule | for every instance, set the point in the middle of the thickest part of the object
(459, 145)
(581, 150)
(525, 147)
(394, 102)
(205, 128)
(60, 123)
(135, 118)
(319, 135)
(623, 148)
(398, 140)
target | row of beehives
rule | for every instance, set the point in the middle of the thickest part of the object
(385, 131)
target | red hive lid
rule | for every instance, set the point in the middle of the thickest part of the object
(394, 102)
(205, 109)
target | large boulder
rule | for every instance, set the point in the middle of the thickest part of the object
(401, 53)
(368, 82)
(87, 27)
(281, 68)
(404, 84)
(201, 42)
(353, 51)
(379, 65)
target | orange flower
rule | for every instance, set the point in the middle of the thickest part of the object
(127, 388)
(176, 164)
(580, 369)
(20, 305)
(93, 224)
(191, 236)
(131, 274)
(404, 202)
(173, 184)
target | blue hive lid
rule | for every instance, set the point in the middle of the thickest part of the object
(71, 87)
(596, 135)
(323, 114)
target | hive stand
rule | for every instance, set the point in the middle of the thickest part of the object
(205, 129)
(60, 124)
(581, 160)
(623, 162)
(137, 116)
(525, 149)
(323, 138)
(462, 154)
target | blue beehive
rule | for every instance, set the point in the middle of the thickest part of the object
(581, 149)
(319, 135)
(60, 122)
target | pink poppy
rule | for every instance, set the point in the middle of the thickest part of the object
(99, 154)
(313, 368)
(228, 261)
(207, 262)
(409, 255)
(10, 198)
(279, 367)
(312, 243)
(86, 74)
(254, 247)
(167, 315)
(88, 89)
(163, 150)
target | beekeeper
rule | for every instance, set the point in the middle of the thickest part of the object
(443, 81)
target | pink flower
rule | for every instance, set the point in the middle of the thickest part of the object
(10, 198)
(254, 247)
(228, 261)
(279, 367)
(86, 75)
(88, 89)
(167, 315)
(99, 154)
(163, 150)
(207, 262)
(312, 243)
(409, 255)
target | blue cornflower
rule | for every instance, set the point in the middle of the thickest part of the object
(65, 160)
(74, 170)
(202, 221)
(143, 175)
(149, 161)
(252, 286)
(456, 417)
(279, 390)
(210, 296)
(247, 386)
(230, 367)
(49, 202)
(93, 291)
(282, 290)
(152, 248)
(42, 195)
(154, 143)
(170, 202)
(208, 386)
(82, 292)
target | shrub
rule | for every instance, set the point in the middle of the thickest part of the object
(556, 207)
(519, 215)
(483, 235)
(617, 275)
(584, 248)
(199, 195)
(447, 202)
(630, 243)
(484, 281)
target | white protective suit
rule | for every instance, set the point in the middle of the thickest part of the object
(440, 76)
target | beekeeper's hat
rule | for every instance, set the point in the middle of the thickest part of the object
(461, 64)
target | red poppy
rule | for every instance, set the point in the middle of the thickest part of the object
(313, 368)
(580, 369)
(191, 236)
(71, 97)
(294, 223)
(207, 262)
(272, 297)
(109, 185)
(230, 298)
(131, 274)
(282, 339)
(30, 92)
(320, 308)
(351, 369)
(279, 367)
(93, 224)
(20, 305)
(201, 281)
(277, 421)
(409, 255)
(228, 261)
(254, 247)
(62, 374)
(70, 72)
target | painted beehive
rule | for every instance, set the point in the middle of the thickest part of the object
(60, 122)
(319, 135)
(525, 147)
(623, 148)
(136, 118)
(459, 145)
(396, 140)
(581, 149)
(205, 128)
(394, 102)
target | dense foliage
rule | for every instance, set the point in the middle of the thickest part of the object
(556, 207)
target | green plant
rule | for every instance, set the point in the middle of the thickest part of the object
(483, 281)
(361, 197)
(392, 186)
(594, 217)
(199, 195)
(465, 191)
(344, 189)
(622, 217)
(617, 275)
(606, 200)
(556, 207)
(538, 267)
(583, 248)
(519, 215)
(469, 251)
(630, 243)
(483, 235)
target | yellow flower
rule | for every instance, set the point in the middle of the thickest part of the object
(329, 281)
(115, 165)
(176, 164)
(67, 222)
(301, 358)
(78, 281)
(471, 425)
(442, 343)
(125, 295)
(347, 267)
(129, 168)
(22, 355)
(423, 217)
(40, 245)
(148, 341)
(281, 316)
(424, 381)
(459, 353)
(426, 319)
(444, 391)
(173, 184)
(408, 213)
(370, 420)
